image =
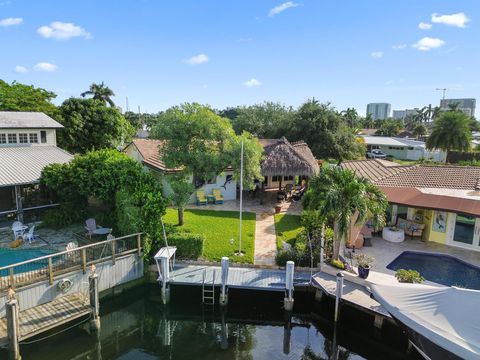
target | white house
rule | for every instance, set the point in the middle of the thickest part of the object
(28, 143)
(403, 148)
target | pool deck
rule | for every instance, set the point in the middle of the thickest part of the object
(238, 277)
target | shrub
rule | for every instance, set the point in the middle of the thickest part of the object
(287, 255)
(337, 263)
(189, 246)
(62, 216)
(409, 276)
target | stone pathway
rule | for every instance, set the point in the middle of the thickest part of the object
(265, 239)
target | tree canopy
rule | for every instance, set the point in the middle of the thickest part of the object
(100, 92)
(89, 124)
(450, 131)
(20, 97)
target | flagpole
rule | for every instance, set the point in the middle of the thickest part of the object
(241, 201)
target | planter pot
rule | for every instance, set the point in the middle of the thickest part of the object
(363, 272)
(278, 209)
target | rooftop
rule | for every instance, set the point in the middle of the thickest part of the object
(391, 141)
(24, 164)
(27, 120)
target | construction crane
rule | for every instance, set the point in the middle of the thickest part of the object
(444, 91)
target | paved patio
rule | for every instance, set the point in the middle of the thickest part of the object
(265, 236)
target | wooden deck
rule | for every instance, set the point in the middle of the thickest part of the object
(243, 278)
(354, 294)
(44, 317)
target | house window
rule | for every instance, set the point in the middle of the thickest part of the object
(3, 139)
(288, 178)
(23, 138)
(276, 178)
(43, 136)
(12, 138)
(34, 138)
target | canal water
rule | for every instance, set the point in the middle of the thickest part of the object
(136, 325)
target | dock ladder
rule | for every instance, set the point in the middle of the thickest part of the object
(208, 289)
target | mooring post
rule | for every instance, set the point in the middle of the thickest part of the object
(288, 300)
(223, 294)
(94, 299)
(165, 277)
(338, 296)
(287, 335)
(12, 325)
(322, 243)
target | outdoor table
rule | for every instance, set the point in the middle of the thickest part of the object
(393, 235)
(210, 199)
(102, 231)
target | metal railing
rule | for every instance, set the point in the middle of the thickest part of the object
(48, 266)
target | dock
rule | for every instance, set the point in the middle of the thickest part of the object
(238, 277)
(354, 294)
(47, 316)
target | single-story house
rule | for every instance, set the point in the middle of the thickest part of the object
(403, 148)
(446, 199)
(283, 163)
(28, 143)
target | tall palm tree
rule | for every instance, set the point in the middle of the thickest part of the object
(450, 131)
(454, 106)
(351, 116)
(100, 92)
(368, 122)
(344, 198)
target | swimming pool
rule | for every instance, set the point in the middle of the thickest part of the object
(13, 256)
(443, 269)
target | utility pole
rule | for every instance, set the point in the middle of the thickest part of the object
(444, 91)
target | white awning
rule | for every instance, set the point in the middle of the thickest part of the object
(447, 316)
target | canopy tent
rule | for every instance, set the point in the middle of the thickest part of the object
(446, 316)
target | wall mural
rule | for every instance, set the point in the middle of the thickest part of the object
(439, 221)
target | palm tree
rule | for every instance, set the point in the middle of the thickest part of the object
(345, 198)
(454, 106)
(368, 122)
(451, 131)
(100, 92)
(351, 116)
(419, 130)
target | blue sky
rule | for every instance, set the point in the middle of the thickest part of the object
(227, 53)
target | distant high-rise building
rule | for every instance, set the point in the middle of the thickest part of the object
(379, 110)
(465, 105)
(402, 114)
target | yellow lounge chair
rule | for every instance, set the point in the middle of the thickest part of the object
(217, 194)
(201, 199)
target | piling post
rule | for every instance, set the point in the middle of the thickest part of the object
(12, 326)
(322, 244)
(338, 296)
(94, 299)
(288, 300)
(223, 293)
(287, 335)
(165, 277)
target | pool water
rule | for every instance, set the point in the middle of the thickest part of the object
(13, 256)
(442, 269)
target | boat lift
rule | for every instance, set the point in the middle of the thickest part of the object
(165, 259)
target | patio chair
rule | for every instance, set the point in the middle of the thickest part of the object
(30, 235)
(201, 199)
(91, 226)
(18, 229)
(288, 190)
(217, 194)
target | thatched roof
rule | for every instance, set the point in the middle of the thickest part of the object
(285, 158)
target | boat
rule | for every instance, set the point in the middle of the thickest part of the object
(440, 322)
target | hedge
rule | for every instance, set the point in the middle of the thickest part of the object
(189, 246)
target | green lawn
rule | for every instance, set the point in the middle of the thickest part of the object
(219, 227)
(287, 228)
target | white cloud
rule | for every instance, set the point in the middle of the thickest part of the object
(376, 54)
(45, 66)
(20, 69)
(459, 19)
(399, 46)
(197, 59)
(428, 43)
(282, 7)
(62, 31)
(252, 82)
(11, 21)
(424, 26)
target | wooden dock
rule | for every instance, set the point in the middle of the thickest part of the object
(38, 319)
(354, 294)
(238, 277)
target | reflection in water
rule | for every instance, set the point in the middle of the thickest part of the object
(138, 326)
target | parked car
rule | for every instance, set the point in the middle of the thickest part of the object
(376, 154)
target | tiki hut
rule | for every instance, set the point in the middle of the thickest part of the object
(287, 160)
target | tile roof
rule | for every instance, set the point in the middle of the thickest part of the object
(24, 164)
(150, 151)
(375, 169)
(26, 119)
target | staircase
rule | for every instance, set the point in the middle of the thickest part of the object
(208, 290)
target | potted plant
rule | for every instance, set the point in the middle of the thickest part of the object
(278, 208)
(364, 263)
(409, 276)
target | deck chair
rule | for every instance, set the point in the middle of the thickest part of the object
(201, 199)
(17, 230)
(90, 226)
(217, 194)
(30, 235)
